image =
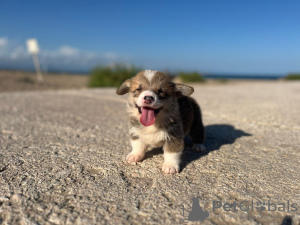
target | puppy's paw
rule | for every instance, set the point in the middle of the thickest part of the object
(168, 168)
(131, 157)
(199, 148)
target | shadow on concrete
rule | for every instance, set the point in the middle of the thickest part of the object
(154, 151)
(216, 136)
(221, 134)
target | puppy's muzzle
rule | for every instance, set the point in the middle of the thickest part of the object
(148, 99)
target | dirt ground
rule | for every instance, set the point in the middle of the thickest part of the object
(27, 81)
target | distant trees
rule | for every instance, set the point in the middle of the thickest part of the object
(111, 76)
(191, 77)
(292, 76)
(114, 76)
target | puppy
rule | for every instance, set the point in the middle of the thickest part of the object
(161, 114)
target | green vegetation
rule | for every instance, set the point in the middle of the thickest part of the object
(292, 77)
(111, 76)
(191, 77)
(115, 76)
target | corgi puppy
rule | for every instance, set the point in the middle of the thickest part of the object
(160, 115)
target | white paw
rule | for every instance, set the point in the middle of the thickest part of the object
(170, 169)
(199, 147)
(131, 157)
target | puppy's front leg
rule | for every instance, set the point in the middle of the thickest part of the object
(172, 156)
(138, 150)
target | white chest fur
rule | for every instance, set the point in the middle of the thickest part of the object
(151, 135)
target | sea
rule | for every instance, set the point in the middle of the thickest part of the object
(206, 75)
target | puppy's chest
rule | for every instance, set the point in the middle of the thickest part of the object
(153, 136)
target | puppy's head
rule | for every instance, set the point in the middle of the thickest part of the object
(150, 93)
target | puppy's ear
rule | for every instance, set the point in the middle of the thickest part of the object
(124, 88)
(183, 90)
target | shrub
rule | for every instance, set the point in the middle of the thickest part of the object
(191, 77)
(292, 77)
(111, 76)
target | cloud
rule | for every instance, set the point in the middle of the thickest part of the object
(65, 56)
(68, 55)
(3, 41)
(68, 51)
(19, 53)
(110, 55)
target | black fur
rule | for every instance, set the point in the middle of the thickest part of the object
(189, 108)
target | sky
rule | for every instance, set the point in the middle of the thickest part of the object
(209, 36)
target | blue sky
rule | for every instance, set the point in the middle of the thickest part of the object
(217, 36)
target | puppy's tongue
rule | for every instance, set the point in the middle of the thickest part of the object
(147, 118)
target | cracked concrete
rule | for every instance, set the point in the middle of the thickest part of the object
(62, 158)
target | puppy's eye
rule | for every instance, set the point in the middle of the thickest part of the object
(162, 94)
(139, 88)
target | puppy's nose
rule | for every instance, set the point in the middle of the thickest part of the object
(148, 99)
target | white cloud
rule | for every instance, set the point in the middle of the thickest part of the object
(69, 55)
(19, 53)
(110, 55)
(65, 56)
(68, 51)
(3, 41)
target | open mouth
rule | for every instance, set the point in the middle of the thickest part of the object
(148, 115)
(156, 111)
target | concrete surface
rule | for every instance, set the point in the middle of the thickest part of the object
(62, 159)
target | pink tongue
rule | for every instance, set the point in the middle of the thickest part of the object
(147, 118)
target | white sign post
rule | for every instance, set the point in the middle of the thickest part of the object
(33, 48)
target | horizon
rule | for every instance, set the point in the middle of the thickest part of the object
(266, 76)
(217, 37)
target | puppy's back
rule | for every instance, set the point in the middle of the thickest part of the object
(186, 108)
(191, 117)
